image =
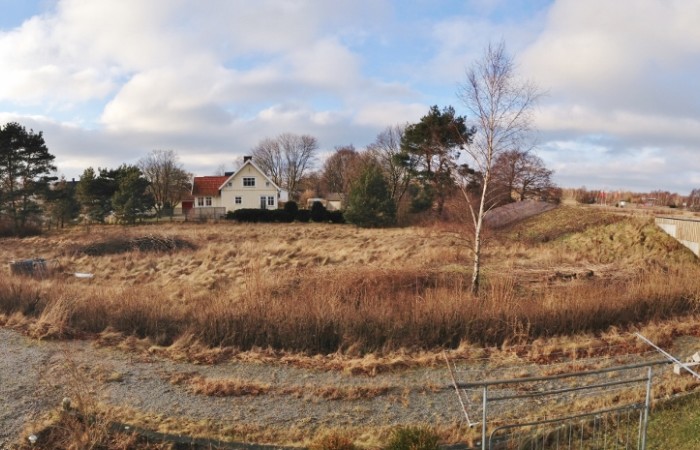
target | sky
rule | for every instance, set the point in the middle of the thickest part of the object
(108, 81)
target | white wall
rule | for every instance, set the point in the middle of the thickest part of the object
(250, 195)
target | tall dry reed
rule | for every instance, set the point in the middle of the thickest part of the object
(323, 311)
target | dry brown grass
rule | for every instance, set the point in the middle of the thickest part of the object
(234, 387)
(320, 289)
(219, 387)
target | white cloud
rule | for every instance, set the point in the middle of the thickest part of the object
(634, 127)
(622, 108)
(210, 79)
(627, 54)
(390, 113)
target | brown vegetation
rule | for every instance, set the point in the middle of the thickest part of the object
(323, 289)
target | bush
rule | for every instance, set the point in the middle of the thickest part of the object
(290, 211)
(288, 214)
(335, 217)
(333, 441)
(291, 207)
(413, 438)
(303, 215)
(251, 215)
(318, 212)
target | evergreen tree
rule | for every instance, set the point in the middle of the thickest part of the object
(94, 193)
(25, 165)
(370, 203)
(131, 199)
(63, 205)
(431, 149)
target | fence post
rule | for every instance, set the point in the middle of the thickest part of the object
(483, 417)
(647, 405)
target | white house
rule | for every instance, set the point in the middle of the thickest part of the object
(248, 187)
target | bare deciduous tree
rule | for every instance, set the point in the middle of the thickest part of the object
(518, 175)
(340, 169)
(169, 181)
(286, 158)
(386, 149)
(268, 156)
(500, 104)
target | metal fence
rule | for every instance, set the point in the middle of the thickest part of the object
(200, 213)
(605, 408)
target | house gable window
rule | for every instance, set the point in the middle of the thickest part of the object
(200, 201)
(270, 201)
(238, 200)
(249, 181)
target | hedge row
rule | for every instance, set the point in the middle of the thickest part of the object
(282, 216)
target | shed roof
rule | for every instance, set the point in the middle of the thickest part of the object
(208, 186)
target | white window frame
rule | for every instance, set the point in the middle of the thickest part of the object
(207, 201)
(238, 200)
(200, 201)
(270, 200)
(248, 181)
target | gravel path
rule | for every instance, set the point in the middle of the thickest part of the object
(36, 375)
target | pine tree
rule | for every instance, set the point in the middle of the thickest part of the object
(431, 149)
(370, 203)
(25, 165)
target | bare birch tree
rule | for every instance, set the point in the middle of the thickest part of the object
(501, 106)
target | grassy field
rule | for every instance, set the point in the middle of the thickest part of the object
(570, 281)
(319, 289)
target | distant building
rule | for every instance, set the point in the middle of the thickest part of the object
(248, 187)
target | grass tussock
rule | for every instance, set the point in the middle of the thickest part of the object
(122, 244)
(322, 290)
(219, 387)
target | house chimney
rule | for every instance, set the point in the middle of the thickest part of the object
(247, 158)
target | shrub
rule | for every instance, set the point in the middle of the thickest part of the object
(303, 215)
(252, 215)
(318, 212)
(413, 438)
(291, 207)
(335, 217)
(333, 441)
(290, 210)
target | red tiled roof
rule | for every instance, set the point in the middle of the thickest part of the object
(208, 186)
